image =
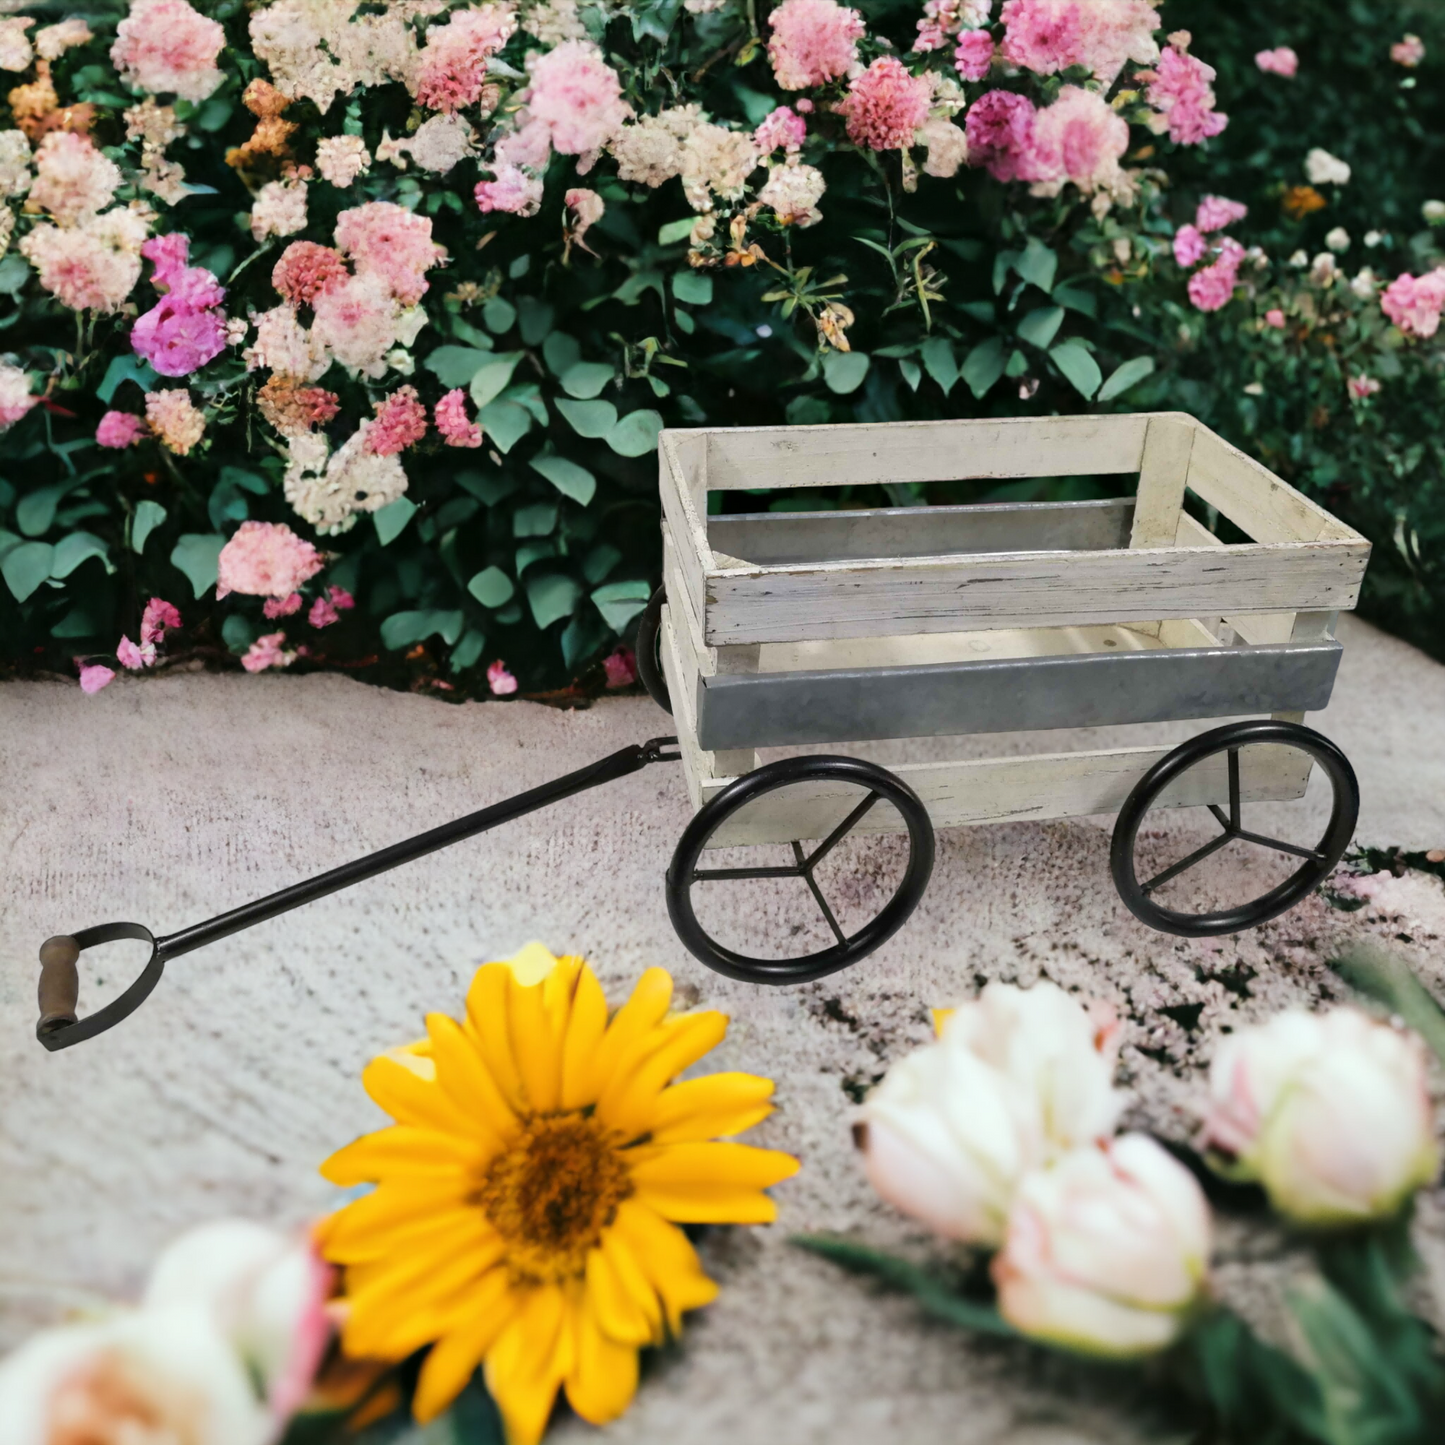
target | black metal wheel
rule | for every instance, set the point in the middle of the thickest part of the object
(649, 650)
(1319, 861)
(874, 784)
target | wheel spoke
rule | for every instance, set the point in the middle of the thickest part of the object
(817, 893)
(838, 833)
(729, 875)
(1234, 818)
(1223, 821)
(1279, 846)
(1197, 856)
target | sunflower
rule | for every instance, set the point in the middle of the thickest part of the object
(528, 1196)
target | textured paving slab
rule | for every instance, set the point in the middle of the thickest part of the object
(168, 800)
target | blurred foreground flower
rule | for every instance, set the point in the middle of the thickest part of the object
(1330, 1113)
(529, 1193)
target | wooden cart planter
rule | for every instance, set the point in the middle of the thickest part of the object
(822, 629)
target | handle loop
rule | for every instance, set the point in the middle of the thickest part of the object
(60, 984)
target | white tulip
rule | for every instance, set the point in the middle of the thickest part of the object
(266, 1293)
(1107, 1251)
(152, 1375)
(1331, 1113)
(1016, 1078)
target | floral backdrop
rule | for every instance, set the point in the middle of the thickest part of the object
(340, 334)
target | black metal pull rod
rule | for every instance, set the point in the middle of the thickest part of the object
(59, 978)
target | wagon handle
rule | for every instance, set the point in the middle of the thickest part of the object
(59, 991)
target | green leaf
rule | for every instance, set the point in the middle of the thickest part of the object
(538, 520)
(600, 561)
(635, 435)
(468, 650)
(561, 353)
(569, 479)
(492, 588)
(1078, 366)
(25, 567)
(488, 488)
(35, 511)
(455, 366)
(585, 634)
(525, 555)
(472, 336)
(238, 632)
(620, 602)
(391, 519)
(1388, 979)
(940, 362)
(535, 320)
(552, 597)
(499, 315)
(494, 377)
(1131, 373)
(675, 231)
(1040, 327)
(844, 370)
(505, 423)
(14, 273)
(585, 379)
(123, 369)
(78, 547)
(591, 419)
(912, 373)
(1038, 264)
(1076, 299)
(403, 629)
(195, 554)
(692, 287)
(983, 366)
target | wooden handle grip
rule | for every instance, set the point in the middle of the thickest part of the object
(59, 982)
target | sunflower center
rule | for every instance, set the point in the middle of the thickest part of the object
(552, 1193)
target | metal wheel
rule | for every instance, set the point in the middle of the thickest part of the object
(872, 784)
(649, 650)
(1319, 860)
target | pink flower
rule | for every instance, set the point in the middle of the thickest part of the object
(93, 678)
(184, 329)
(305, 270)
(1081, 137)
(513, 191)
(133, 657)
(15, 397)
(357, 321)
(1362, 386)
(400, 422)
(584, 208)
(159, 616)
(1000, 129)
(501, 682)
(120, 429)
(323, 613)
(973, 56)
(1413, 304)
(452, 421)
(389, 242)
(266, 559)
(267, 652)
(452, 67)
(1214, 213)
(1279, 61)
(281, 606)
(1051, 36)
(166, 47)
(885, 105)
(1408, 52)
(783, 129)
(1213, 286)
(1274, 317)
(620, 667)
(577, 96)
(1189, 245)
(814, 41)
(340, 599)
(1180, 91)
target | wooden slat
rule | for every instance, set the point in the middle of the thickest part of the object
(1040, 589)
(938, 451)
(688, 536)
(1162, 474)
(697, 766)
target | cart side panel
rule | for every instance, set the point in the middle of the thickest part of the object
(681, 479)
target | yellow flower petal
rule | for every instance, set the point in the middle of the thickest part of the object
(489, 1015)
(397, 1206)
(699, 1165)
(400, 1149)
(941, 1017)
(538, 1050)
(454, 1357)
(424, 1275)
(666, 1257)
(629, 1035)
(709, 1204)
(621, 1315)
(627, 1101)
(410, 1099)
(522, 1367)
(464, 1077)
(706, 1108)
(604, 1378)
(586, 1025)
(532, 964)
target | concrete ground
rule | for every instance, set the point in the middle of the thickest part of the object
(166, 800)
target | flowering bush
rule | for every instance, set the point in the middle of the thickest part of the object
(420, 281)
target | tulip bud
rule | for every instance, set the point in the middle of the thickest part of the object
(266, 1293)
(1330, 1113)
(1107, 1251)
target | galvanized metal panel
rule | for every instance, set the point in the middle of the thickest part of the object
(1013, 695)
(776, 539)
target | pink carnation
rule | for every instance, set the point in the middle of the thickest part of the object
(513, 191)
(577, 96)
(305, 270)
(783, 129)
(1189, 245)
(1214, 213)
(620, 667)
(400, 422)
(452, 67)
(1414, 304)
(185, 329)
(15, 397)
(1051, 36)
(390, 242)
(1408, 52)
(501, 682)
(166, 47)
(452, 421)
(266, 559)
(973, 55)
(814, 41)
(323, 613)
(120, 429)
(1212, 287)
(1181, 92)
(267, 652)
(357, 320)
(885, 105)
(1000, 130)
(1081, 137)
(1279, 61)
(159, 616)
(93, 678)
(133, 657)
(1362, 386)
(275, 607)
(1274, 317)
